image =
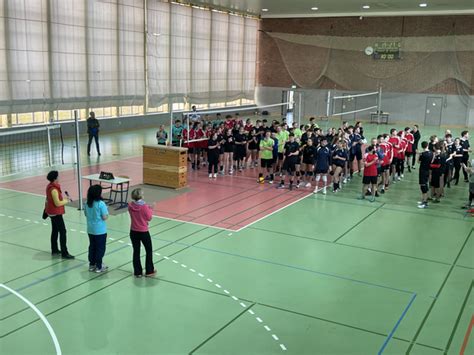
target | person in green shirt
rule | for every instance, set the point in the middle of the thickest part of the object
(282, 136)
(266, 158)
(296, 131)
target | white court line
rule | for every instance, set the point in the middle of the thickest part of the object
(259, 319)
(267, 328)
(283, 347)
(22, 192)
(42, 317)
(278, 210)
(197, 224)
(275, 337)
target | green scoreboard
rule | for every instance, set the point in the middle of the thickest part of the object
(387, 50)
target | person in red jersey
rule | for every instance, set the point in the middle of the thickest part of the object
(410, 138)
(394, 140)
(370, 173)
(403, 147)
(229, 122)
(386, 162)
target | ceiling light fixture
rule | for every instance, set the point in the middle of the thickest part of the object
(366, 7)
(264, 10)
(314, 9)
(423, 4)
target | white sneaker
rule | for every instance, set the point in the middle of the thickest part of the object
(315, 191)
(344, 181)
(215, 176)
(210, 176)
(423, 205)
(231, 171)
(308, 184)
(398, 178)
(324, 190)
(102, 269)
(402, 176)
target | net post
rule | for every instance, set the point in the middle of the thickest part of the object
(379, 104)
(328, 103)
(49, 146)
(300, 99)
(78, 159)
(170, 105)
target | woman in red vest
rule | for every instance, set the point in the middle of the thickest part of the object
(54, 208)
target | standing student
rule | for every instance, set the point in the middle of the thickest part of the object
(394, 140)
(425, 159)
(356, 140)
(266, 158)
(240, 150)
(309, 157)
(466, 150)
(228, 151)
(93, 132)
(291, 152)
(409, 150)
(213, 151)
(323, 158)
(282, 136)
(386, 148)
(470, 171)
(252, 147)
(457, 159)
(54, 208)
(370, 173)
(436, 173)
(96, 213)
(339, 158)
(416, 136)
(176, 133)
(161, 135)
(140, 215)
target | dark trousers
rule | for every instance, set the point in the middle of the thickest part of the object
(138, 238)
(96, 138)
(465, 159)
(413, 157)
(97, 249)
(457, 169)
(58, 228)
(213, 161)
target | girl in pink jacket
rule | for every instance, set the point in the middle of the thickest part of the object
(141, 214)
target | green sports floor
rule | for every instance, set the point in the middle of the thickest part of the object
(325, 275)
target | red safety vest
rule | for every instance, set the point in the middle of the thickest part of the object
(51, 208)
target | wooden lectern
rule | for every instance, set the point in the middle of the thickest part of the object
(165, 166)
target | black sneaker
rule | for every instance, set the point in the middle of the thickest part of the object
(57, 252)
(377, 194)
(382, 191)
(67, 256)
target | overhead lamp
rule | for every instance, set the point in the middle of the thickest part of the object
(423, 4)
(264, 10)
(314, 9)
(366, 7)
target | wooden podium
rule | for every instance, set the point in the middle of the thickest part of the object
(165, 166)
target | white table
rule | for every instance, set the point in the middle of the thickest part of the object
(118, 181)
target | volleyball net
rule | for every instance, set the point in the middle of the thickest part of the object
(23, 150)
(352, 104)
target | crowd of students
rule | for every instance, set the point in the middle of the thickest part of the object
(308, 156)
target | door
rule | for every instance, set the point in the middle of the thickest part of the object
(434, 108)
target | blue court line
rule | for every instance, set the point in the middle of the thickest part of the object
(42, 279)
(288, 266)
(384, 345)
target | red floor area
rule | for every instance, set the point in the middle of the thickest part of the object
(230, 202)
